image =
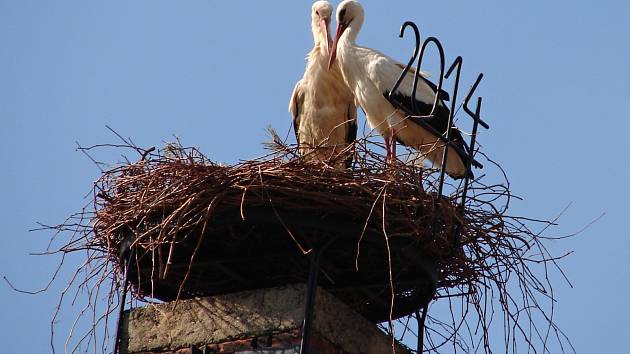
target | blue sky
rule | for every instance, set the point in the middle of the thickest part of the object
(217, 73)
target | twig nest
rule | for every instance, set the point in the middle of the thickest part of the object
(194, 228)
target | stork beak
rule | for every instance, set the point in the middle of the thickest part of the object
(341, 27)
(327, 41)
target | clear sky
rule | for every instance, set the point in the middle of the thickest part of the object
(216, 73)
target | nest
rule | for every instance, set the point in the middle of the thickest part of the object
(196, 228)
(389, 244)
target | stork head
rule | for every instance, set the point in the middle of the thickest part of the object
(350, 14)
(321, 15)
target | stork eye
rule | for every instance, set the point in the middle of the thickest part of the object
(342, 13)
(317, 12)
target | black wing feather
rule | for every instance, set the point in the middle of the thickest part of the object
(351, 133)
(294, 108)
(438, 122)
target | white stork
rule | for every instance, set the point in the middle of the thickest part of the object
(322, 106)
(371, 74)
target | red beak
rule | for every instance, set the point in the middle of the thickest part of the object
(333, 54)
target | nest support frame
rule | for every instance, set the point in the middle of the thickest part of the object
(238, 254)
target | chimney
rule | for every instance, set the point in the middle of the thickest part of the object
(261, 321)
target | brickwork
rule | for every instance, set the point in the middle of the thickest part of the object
(242, 322)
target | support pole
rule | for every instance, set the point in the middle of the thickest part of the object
(421, 326)
(311, 292)
(122, 305)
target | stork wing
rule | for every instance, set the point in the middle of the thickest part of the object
(351, 129)
(384, 72)
(295, 108)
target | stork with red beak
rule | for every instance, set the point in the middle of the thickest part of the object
(370, 75)
(322, 105)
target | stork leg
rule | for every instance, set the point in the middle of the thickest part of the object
(388, 149)
(392, 148)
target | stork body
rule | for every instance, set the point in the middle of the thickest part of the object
(322, 105)
(370, 75)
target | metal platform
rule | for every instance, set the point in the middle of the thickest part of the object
(259, 252)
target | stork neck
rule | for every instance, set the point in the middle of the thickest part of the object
(319, 38)
(346, 43)
(351, 33)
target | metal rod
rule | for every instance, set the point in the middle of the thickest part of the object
(421, 325)
(122, 305)
(467, 99)
(410, 63)
(457, 63)
(462, 204)
(311, 292)
(447, 138)
(473, 140)
(309, 304)
(419, 66)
